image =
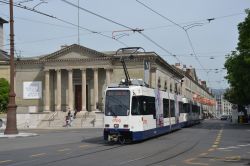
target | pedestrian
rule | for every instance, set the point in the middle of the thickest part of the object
(67, 121)
(71, 119)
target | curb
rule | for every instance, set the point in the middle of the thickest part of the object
(2, 135)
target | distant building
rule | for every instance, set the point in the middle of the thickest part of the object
(2, 22)
(196, 91)
(223, 107)
(4, 57)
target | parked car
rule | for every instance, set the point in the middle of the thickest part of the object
(223, 117)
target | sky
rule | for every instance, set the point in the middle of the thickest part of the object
(177, 30)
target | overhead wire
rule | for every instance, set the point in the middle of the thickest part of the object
(61, 20)
(181, 27)
(125, 26)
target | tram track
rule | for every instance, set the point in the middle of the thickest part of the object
(82, 155)
(175, 155)
(64, 158)
(151, 156)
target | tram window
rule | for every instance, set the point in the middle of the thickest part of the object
(194, 108)
(181, 110)
(165, 108)
(135, 106)
(143, 105)
(172, 108)
(199, 108)
(186, 107)
(117, 103)
(147, 105)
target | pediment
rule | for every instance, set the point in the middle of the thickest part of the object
(73, 52)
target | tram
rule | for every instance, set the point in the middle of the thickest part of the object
(134, 111)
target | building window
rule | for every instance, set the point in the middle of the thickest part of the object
(159, 82)
(165, 86)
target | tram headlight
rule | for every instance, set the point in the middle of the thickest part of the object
(125, 126)
(116, 125)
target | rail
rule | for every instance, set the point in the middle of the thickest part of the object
(52, 117)
(84, 117)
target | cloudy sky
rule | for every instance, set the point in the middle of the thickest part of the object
(197, 33)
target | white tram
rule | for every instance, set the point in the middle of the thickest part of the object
(135, 112)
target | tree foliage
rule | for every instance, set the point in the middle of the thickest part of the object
(4, 94)
(238, 67)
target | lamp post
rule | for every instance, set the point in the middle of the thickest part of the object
(11, 127)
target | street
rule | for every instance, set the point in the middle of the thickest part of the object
(213, 142)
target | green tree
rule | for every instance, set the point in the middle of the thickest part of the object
(4, 94)
(238, 67)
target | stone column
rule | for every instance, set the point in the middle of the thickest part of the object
(47, 90)
(84, 95)
(58, 90)
(70, 89)
(95, 89)
(108, 76)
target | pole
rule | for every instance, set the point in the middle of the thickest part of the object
(11, 127)
(78, 21)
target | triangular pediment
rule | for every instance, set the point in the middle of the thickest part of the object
(73, 52)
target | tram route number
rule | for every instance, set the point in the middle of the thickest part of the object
(116, 120)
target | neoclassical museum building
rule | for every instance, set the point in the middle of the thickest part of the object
(75, 78)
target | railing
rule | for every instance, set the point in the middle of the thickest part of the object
(52, 117)
(84, 117)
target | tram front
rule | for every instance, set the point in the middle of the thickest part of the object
(117, 112)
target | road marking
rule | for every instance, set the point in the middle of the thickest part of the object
(216, 142)
(62, 150)
(244, 145)
(231, 147)
(203, 154)
(248, 152)
(233, 158)
(217, 139)
(83, 146)
(211, 149)
(5, 161)
(190, 161)
(215, 146)
(37, 155)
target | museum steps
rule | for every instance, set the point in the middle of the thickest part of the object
(82, 120)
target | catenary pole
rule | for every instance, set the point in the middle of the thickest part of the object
(11, 127)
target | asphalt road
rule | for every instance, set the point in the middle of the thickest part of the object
(212, 142)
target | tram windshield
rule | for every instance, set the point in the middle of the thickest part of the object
(117, 103)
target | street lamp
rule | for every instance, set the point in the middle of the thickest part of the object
(11, 127)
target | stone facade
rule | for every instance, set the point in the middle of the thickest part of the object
(75, 78)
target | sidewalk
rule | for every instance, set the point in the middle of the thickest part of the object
(20, 134)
